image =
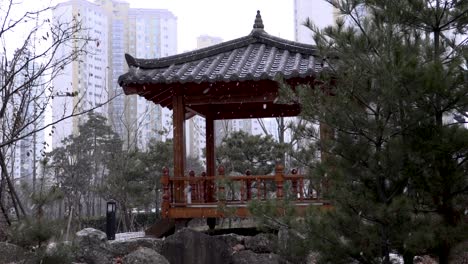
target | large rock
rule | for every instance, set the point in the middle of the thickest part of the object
(11, 253)
(232, 239)
(312, 258)
(92, 247)
(261, 243)
(56, 252)
(191, 247)
(124, 247)
(250, 257)
(424, 260)
(143, 256)
(459, 254)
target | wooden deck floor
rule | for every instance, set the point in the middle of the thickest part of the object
(208, 210)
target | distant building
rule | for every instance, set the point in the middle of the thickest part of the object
(144, 33)
(86, 77)
(204, 41)
(321, 13)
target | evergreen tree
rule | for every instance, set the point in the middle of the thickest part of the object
(81, 164)
(134, 178)
(240, 152)
(159, 154)
(392, 101)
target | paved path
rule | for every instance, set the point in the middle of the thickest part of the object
(129, 235)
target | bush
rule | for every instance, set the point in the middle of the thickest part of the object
(30, 233)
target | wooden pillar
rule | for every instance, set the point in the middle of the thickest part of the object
(221, 183)
(166, 198)
(178, 123)
(279, 180)
(248, 184)
(210, 146)
(210, 156)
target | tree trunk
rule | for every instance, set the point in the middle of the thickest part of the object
(4, 222)
(443, 253)
(125, 217)
(408, 258)
(11, 188)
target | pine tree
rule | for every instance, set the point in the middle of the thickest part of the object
(393, 97)
(241, 152)
(134, 178)
(81, 164)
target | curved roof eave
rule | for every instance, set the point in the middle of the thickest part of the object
(256, 36)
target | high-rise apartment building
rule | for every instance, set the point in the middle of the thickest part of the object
(319, 12)
(86, 77)
(144, 33)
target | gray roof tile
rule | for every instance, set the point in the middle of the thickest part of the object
(258, 56)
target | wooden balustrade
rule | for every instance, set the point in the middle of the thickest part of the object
(236, 189)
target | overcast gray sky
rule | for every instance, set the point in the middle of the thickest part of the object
(227, 19)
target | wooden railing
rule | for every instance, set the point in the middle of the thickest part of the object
(203, 189)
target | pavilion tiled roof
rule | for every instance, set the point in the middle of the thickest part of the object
(258, 56)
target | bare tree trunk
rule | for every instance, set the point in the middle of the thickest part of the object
(34, 162)
(93, 203)
(262, 126)
(125, 217)
(60, 205)
(69, 222)
(11, 188)
(4, 220)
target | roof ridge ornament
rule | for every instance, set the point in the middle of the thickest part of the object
(258, 24)
(258, 21)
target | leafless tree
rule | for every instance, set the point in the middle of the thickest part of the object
(34, 51)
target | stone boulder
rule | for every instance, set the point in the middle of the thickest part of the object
(143, 256)
(283, 239)
(124, 247)
(424, 260)
(312, 258)
(238, 247)
(250, 257)
(191, 247)
(459, 254)
(56, 252)
(232, 239)
(261, 243)
(92, 247)
(10, 253)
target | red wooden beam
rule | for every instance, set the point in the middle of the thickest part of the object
(231, 98)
